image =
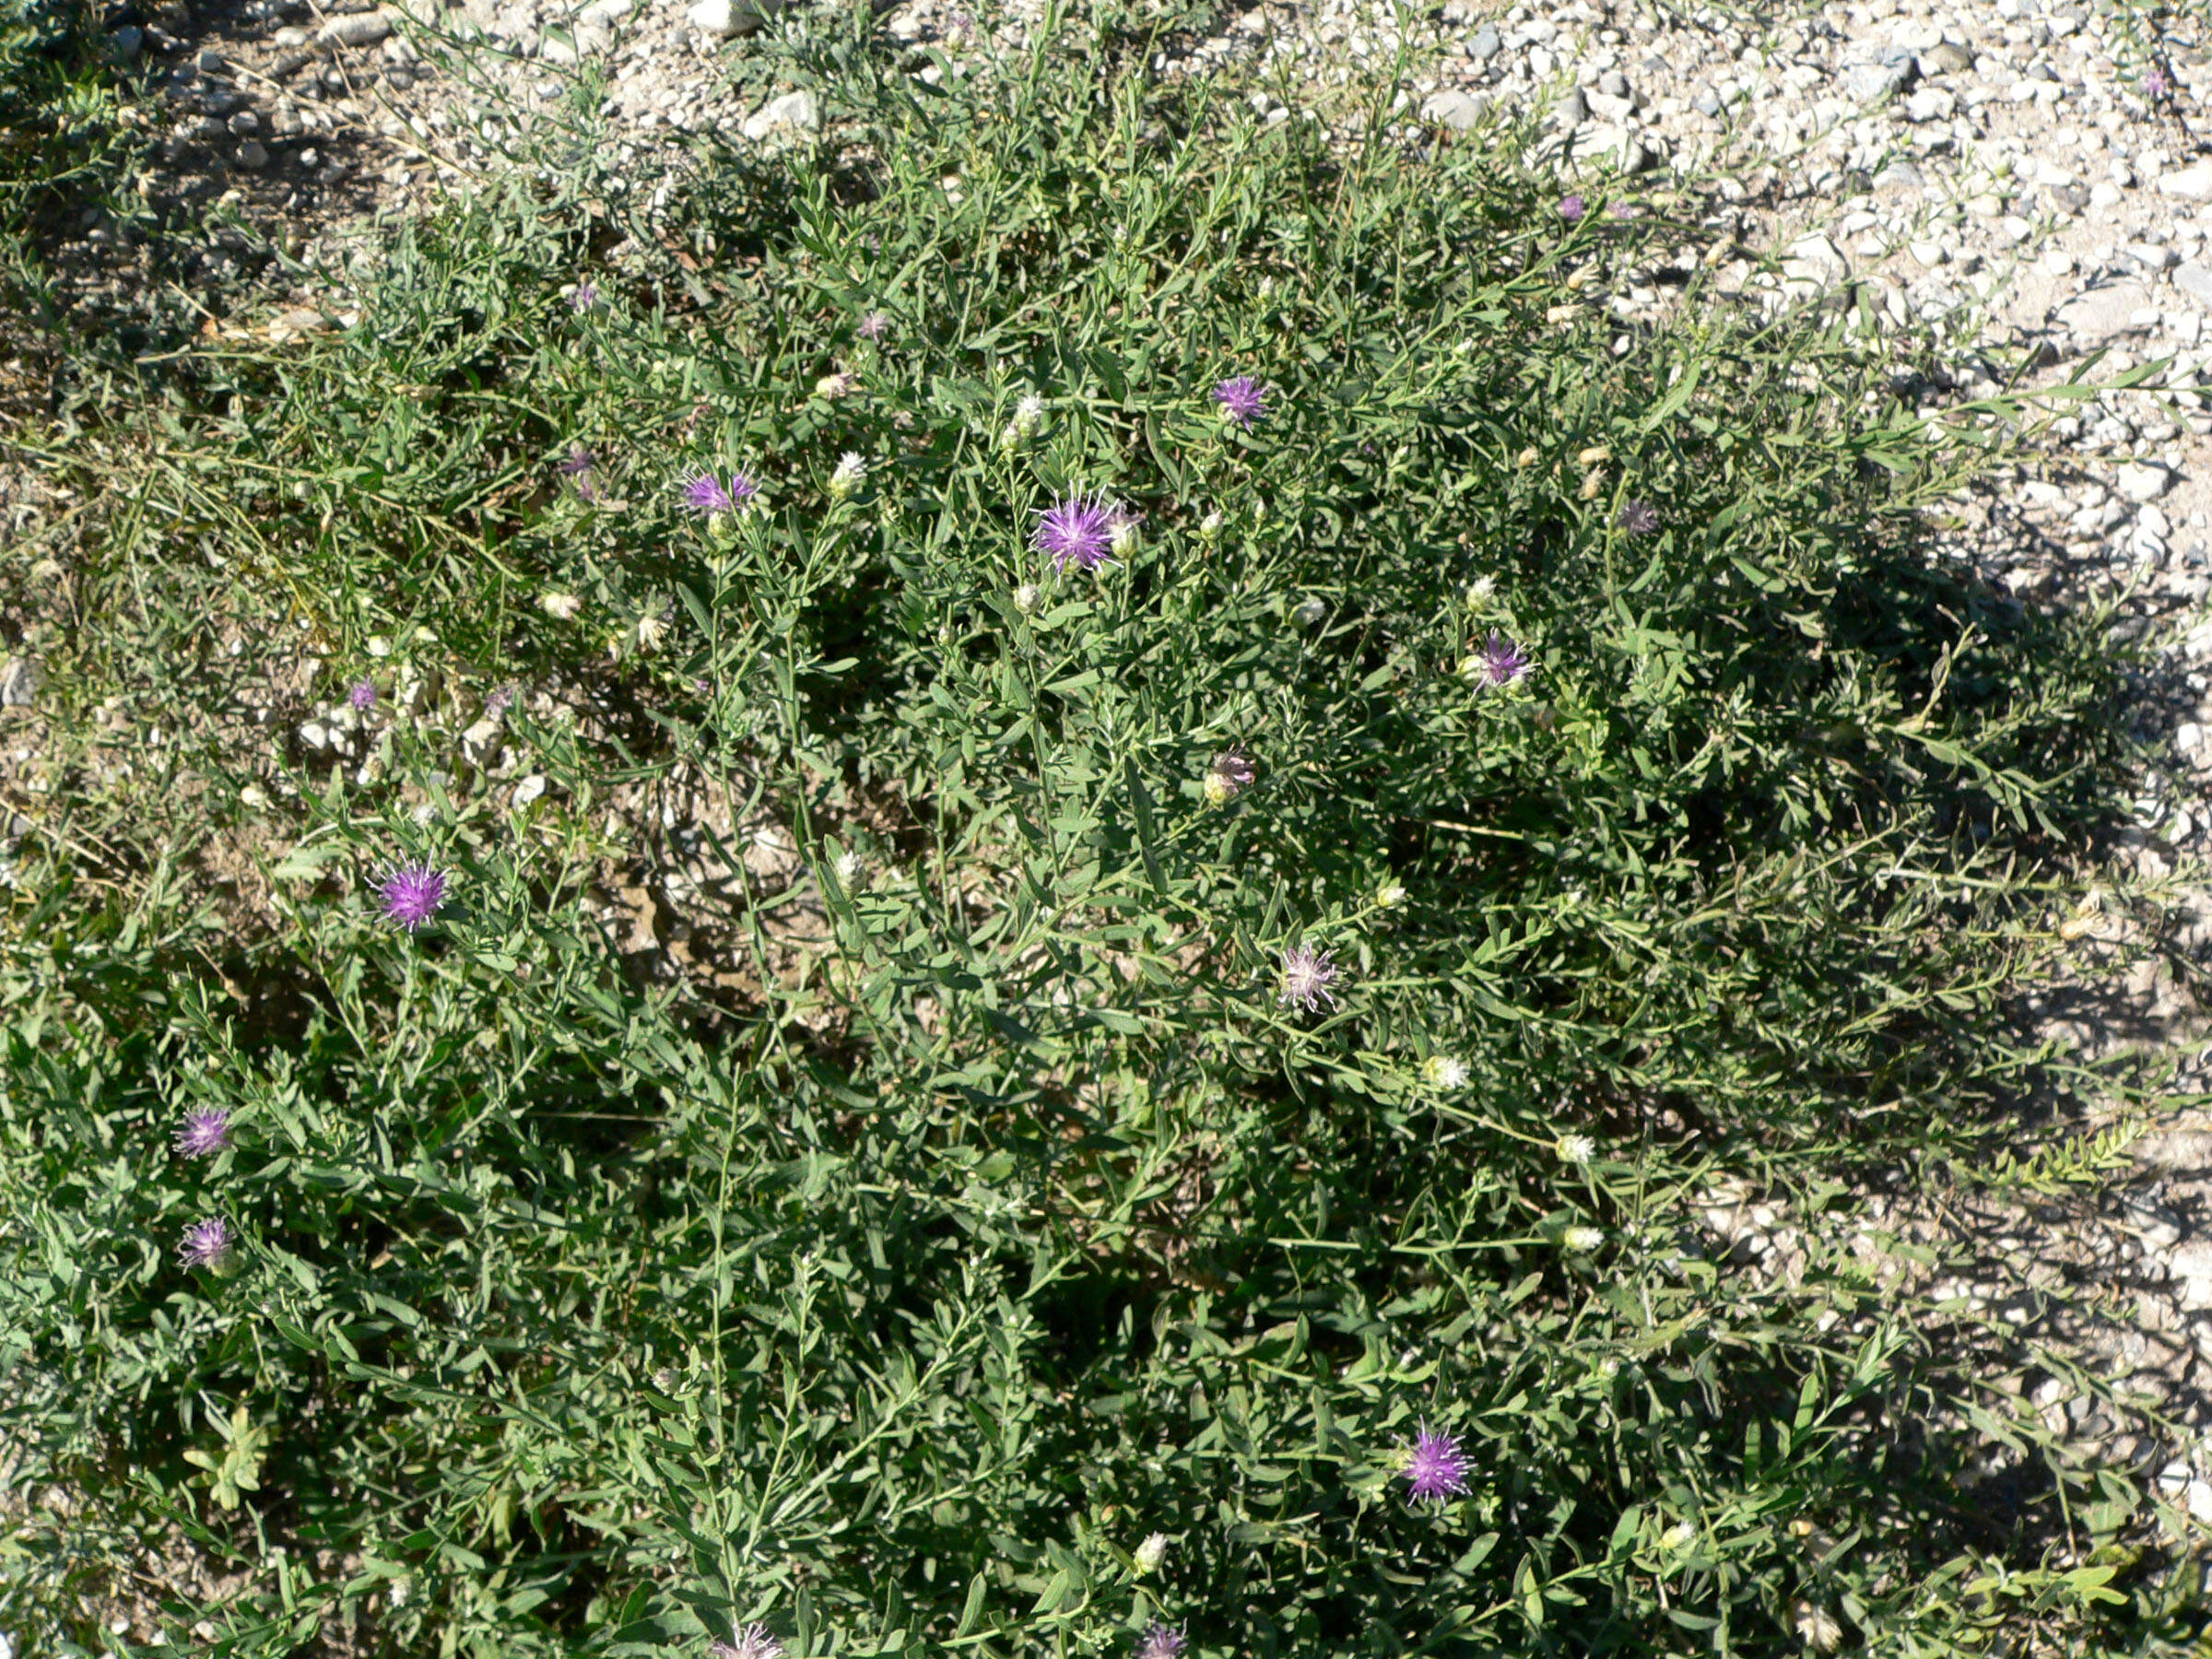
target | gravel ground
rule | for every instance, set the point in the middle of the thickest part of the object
(2020, 184)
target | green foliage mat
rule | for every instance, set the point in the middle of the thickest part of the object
(1007, 1206)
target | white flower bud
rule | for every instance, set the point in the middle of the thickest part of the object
(1575, 1148)
(1151, 1553)
(1390, 896)
(1445, 1072)
(851, 472)
(1027, 598)
(562, 606)
(1582, 1240)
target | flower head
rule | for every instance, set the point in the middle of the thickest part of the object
(361, 697)
(753, 1643)
(581, 469)
(851, 474)
(1444, 1071)
(205, 1130)
(1307, 976)
(1817, 1627)
(1572, 208)
(1575, 1148)
(708, 495)
(205, 1244)
(412, 894)
(1582, 1240)
(1637, 518)
(1076, 530)
(1242, 400)
(1161, 1641)
(1497, 664)
(875, 326)
(583, 296)
(1229, 775)
(1151, 1553)
(500, 702)
(2158, 83)
(1436, 1467)
(1027, 597)
(836, 385)
(1390, 895)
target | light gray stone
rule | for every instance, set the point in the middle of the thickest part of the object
(2143, 481)
(18, 684)
(1486, 45)
(2188, 183)
(1462, 112)
(2099, 315)
(251, 156)
(793, 113)
(357, 29)
(2194, 280)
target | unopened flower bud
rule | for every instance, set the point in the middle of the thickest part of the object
(1442, 1071)
(1582, 1240)
(1151, 1553)
(1575, 1148)
(1390, 895)
(1026, 598)
(562, 606)
(851, 472)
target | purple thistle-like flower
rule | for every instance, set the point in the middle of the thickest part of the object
(2157, 84)
(362, 697)
(1307, 976)
(1572, 208)
(500, 702)
(706, 494)
(1161, 1641)
(1242, 400)
(581, 470)
(1077, 530)
(875, 326)
(205, 1244)
(205, 1130)
(1230, 774)
(1637, 518)
(753, 1643)
(1500, 662)
(583, 296)
(412, 894)
(1436, 1467)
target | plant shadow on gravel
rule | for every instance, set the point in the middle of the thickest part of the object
(1655, 808)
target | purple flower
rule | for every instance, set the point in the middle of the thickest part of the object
(1572, 208)
(753, 1643)
(1498, 662)
(205, 1244)
(1161, 1641)
(412, 894)
(1307, 976)
(1077, 530)
(2157, 84)
(581, 469)
(706, 494)
(1436, 1467)
(583, 296)
(1637, 517)
(875, 326)
(1228, 776)
(500, 702)
(206, 1129)
(362, 697)
(1242, 400)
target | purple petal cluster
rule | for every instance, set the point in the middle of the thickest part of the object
(2158, 83)
(205, 1244)
(412, 893)
(1572, 208)
(1077, 530)
(1230, 774)
(1498, 662)
(583, 296)
(1436, 1467)
(206, 1131)
(1307, 975)
(1637, 518)
(875, 326)
(753, 1643)
(706, 494)
(362, 697)
(1161, 1641)
(581, 470)
(1242, 400)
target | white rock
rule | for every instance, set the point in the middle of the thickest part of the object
(2051, 176)
(2105, 193)
(2143, 481)
(1930, 103)
(528, 789)
(2057, 262)
(717, 18)
(1928, 252)
(18, 684)
(2190, 184)
(793, 113)
(1459, 111)
(481, 743)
